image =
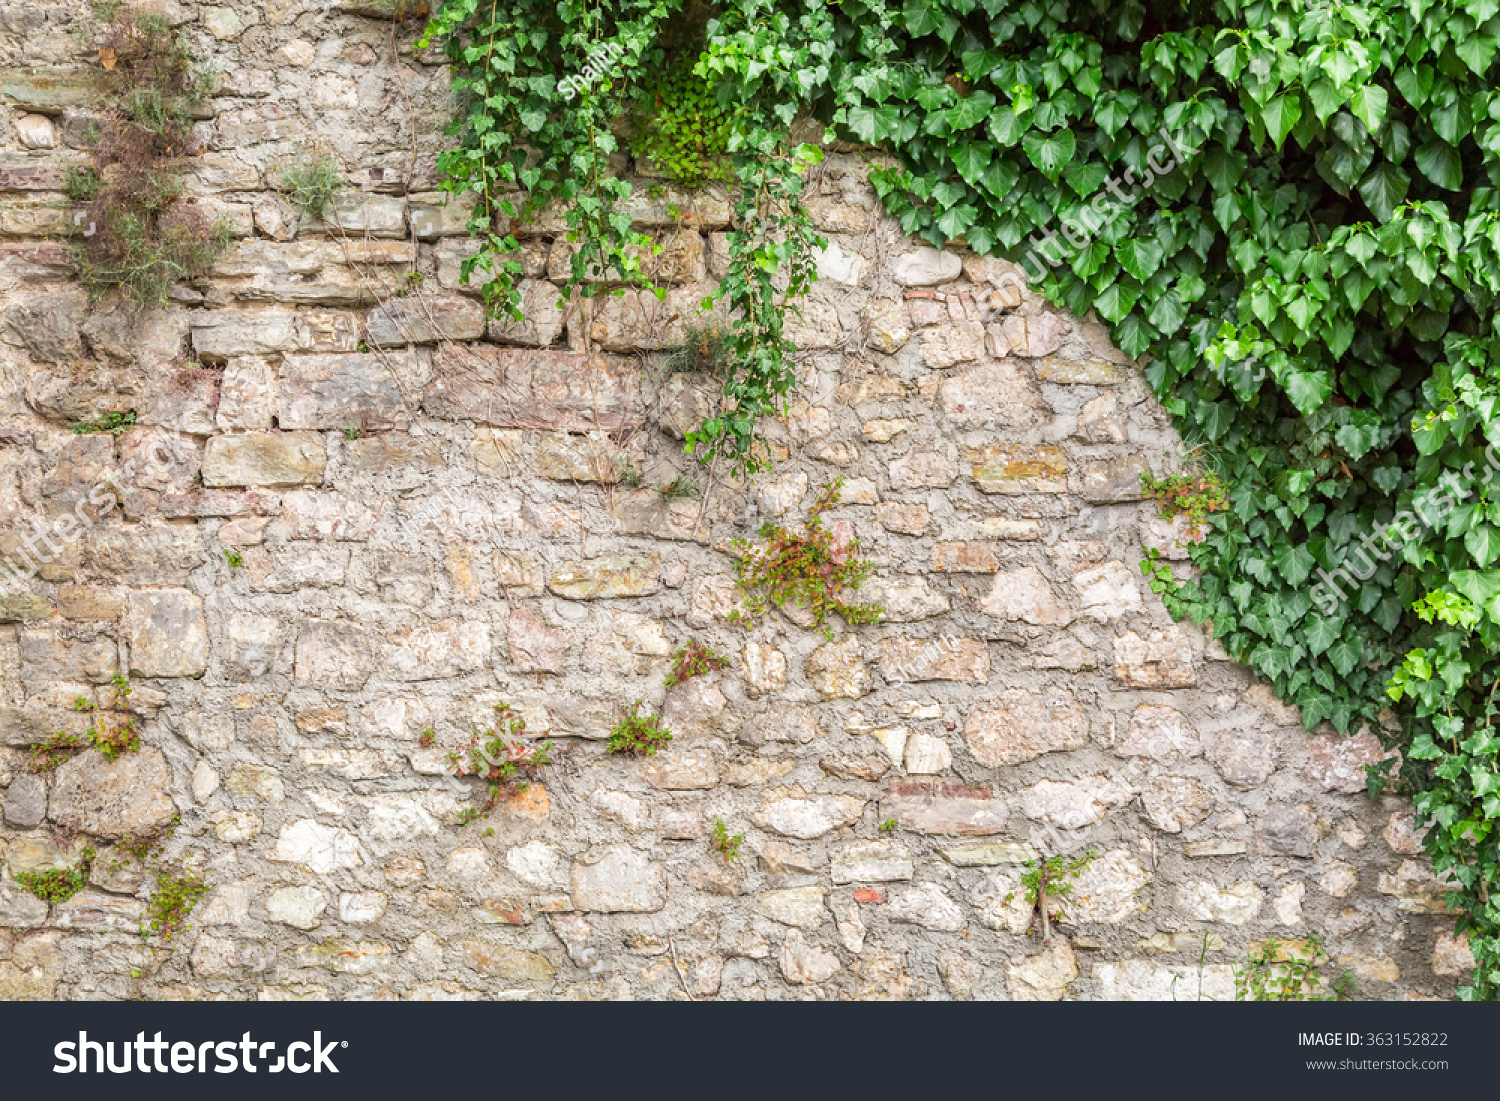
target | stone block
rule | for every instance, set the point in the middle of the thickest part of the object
(167, 632)
(128, 796)
(344, 391)
(265, 459)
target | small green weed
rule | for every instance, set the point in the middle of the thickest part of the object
(678, 489)
(234, 558)
(55, 750)
(693, 659)
(1195, 494)
(704, 348)
(888, 826)
(1289, 972)
(808, 569)
(498, 756)
(113, 423)
(310, 182)
(726, 846)
(81, 184)
(639, 734)
(173, 897)
(59, 884)
(1050, 881)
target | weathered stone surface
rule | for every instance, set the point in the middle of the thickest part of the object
(804, 964)
(1287, 831)
(130, 795)
(534, 646)
(1108, 890)
(25, 805)
(264, 459)
(1162, 660)
(1023, 724)
(300, 907)
(168, 633)
(872, 862)
(1148, 981)
(1044, 977)
(838, 670)
(920, 469)
(799, 906)
(1336, 763)
(504, 962)
(926, 267)
(913, 659)
(1176, 803)
(568, 458)
(795, 813)
(1203, 901)
(1071, 805)
(450, 648)
(1107, 592)
(951, 345)
(355, 391)
(944, 808)
(927, 905)
(1245, 758)
(332, 654)
(1015, 469)
(1027, 595)
(604, 578)
(619, 880)
(316, 846)
(424, 320)
(19, 909)
(1159, 733)
(682, 770)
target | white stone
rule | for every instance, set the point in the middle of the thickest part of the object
(361, 907)
(799, 906)
(927, 905)
(1235, 905)
(840, 265)
(537, 864)
(321, 848)
(35, 132)
(301, 907)
(927, 754)
(804, 964)
(793, 814)
(1147, 981)
(205, 782)
(1071, 805)
(1108, 591)
(1107, 890)
(926, 267)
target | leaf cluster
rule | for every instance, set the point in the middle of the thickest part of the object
(637, 734)
(807, 568)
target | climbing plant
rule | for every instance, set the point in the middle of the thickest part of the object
(1290, 212)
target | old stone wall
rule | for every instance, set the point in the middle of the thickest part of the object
(435, 513)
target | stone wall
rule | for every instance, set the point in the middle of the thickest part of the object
(435, 514)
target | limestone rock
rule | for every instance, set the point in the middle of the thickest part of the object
(794, 813)
(128, 796)
(264, 459)
(1024, 724)
(619, 880)
(168, 634)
